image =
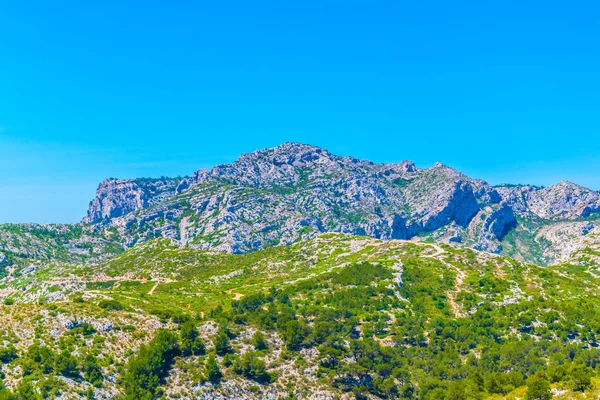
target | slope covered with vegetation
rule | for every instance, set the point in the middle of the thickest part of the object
(334, 317)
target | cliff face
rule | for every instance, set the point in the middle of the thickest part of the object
(563, 201)
(116, 197)
(295, 191)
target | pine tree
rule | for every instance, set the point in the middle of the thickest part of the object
(212, 371)
(538, 388)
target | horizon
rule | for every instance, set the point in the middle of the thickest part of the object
(507, 94)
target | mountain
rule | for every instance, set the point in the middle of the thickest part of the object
(295, 191)
(293, 273)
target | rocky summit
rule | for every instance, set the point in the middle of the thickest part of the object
(296, 191)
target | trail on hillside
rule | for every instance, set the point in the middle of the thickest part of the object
(460, 276)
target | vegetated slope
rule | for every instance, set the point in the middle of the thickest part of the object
(24, 245)
(336, 316)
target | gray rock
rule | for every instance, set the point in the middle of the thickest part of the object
(116, 197)
(295, 191)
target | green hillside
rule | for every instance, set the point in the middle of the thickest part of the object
(334, 317)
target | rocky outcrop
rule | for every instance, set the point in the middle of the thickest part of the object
(495, 226)
(296, 191)
(563, 201)
(116, 197)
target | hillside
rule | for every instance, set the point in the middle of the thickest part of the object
(339, 317)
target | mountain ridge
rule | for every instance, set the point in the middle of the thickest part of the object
(295, 191)
(383, 200)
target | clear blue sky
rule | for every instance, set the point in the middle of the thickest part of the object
(503, 90)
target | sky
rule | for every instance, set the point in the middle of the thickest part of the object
(506, 91)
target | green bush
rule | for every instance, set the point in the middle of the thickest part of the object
(8, 353)
(145, 370)
(222, 343)
(259, 341)
(66, 365)
(191, 344)
(110, 305)
(91, 370)
(538, 388)
(252, 367)
(211, 370)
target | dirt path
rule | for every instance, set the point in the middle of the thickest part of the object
(438, 250)
(458, 280)
(151, 292)
(159, 281)
(236, 296)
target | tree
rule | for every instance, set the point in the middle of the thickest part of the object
(91, 370)
(222, 344)
(254, 368)
(259, 341)
(38, 358)
(145, 371)
(26, 391)
(212, 371)
(66, 365)
(538, 388)
(581, 377)
(456, 391)
(293, 334)
(8, 353)
(191, 344)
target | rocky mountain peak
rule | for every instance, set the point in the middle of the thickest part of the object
(295, 191)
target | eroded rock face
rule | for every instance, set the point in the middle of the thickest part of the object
(565, 200)
(116, 197)
(296, 191)
(495, 226)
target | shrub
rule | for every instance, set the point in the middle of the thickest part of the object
(145, 371)
(254, 368)
(222, 344)
(293, 334)
(538, 388)
(38, 359)
(8, 353)
(91, 370)
(191, 344)
(212, 371)
(259, 341)
(66, 365)
(110, 305)
(581, 377)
